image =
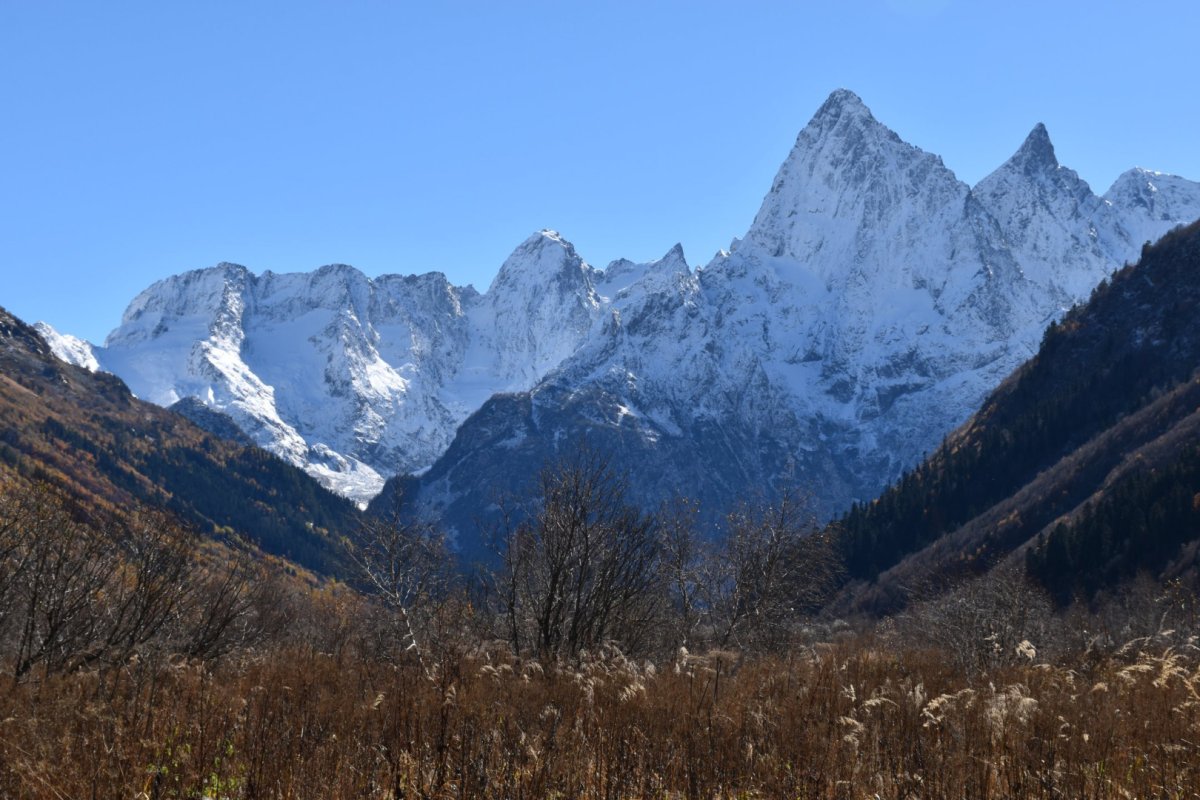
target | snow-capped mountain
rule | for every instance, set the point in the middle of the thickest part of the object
(355, 379)
(1151, 201)
(1064, 237)
(873, 302)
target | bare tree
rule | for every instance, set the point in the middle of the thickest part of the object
(983, 622)
(773, 566)
(584, 569)
(66, 567)
(151, 586)
(683, 561)
(79, 591)
(235, 603)
(407, 565)
(17, 510)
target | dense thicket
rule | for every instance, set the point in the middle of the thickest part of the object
(81, 590)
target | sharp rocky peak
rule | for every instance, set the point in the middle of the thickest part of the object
(675, 256)
(1034, 167)
(1036, 153)
(842, 102)
(873, 302)
(846, 173)
(673, 263)
(842, 117)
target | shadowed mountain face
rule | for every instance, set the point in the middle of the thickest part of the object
(1085, 463)
(873, 303)
(84, 432)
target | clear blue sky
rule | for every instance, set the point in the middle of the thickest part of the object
(142, 139)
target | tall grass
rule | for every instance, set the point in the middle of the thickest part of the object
(844, 720)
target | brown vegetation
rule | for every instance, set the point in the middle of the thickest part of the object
(612, 653)
(236, 684)
(78, 593)
(854, 719)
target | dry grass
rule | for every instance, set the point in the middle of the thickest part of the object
(847, 720)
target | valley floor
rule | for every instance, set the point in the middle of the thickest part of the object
(852, 719)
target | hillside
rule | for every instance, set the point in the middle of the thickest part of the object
(84, 432)
(1083, 462)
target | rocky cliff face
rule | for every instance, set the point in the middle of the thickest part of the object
(873, 303)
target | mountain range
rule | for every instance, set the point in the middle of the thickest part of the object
(873, 304)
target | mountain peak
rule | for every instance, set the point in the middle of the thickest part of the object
(845, 174)
(337, 274)
(843, 116)
(675, 254)
(841, 128)
(1037, 151)
(70, 349)
(842, 102)
(1033, 161)
(1154, 201)
(672, 263)
(542, 238)
(227, 269)
(543, 255)
(1143, 179)
(843, 112)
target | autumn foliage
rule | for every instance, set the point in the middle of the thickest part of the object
(239, 682)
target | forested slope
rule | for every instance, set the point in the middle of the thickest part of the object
(1085, 456)
(85, 433)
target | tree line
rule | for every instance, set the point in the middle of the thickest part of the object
(579, 567)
